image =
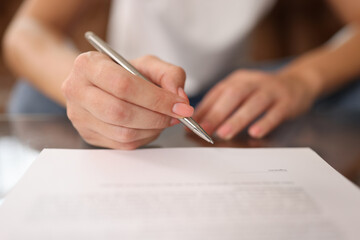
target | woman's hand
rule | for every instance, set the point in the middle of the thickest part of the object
(112, 108)
(245, 96)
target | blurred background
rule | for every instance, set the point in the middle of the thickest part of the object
(292, 27)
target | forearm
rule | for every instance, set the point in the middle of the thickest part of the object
(40, 55)
(329, 67)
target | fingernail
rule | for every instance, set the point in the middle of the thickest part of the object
(183, 109)
(225, 132)
(174, 121)
(255, 131)
(182, 93)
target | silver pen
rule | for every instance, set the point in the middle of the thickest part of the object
(103, 47)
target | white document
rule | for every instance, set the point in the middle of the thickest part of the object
(183, 193)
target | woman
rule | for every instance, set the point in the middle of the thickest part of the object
(111, 108)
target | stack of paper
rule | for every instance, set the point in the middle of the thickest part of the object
(184, 193)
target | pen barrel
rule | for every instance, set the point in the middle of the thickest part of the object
(103, 47)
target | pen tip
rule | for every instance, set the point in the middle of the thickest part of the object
(208, 139)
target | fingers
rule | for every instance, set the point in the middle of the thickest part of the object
(269, 121)
(244, 96)
(96, 139)
(238, 84)
(249, 111)
(84, 122)
(207, 102)
(221, 107)
(114, 111)
(116, 81)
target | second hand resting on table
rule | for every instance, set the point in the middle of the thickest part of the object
(244, 95)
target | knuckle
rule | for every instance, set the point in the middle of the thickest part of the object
(83, 69)
(177, 71)
(123, 86)
(101, 68)
(118, 113)
(148, 58)
(158, 101)
(162, 122)
(83, 59)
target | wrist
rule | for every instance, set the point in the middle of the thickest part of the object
(309, 78)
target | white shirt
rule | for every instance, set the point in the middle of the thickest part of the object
(202, 36)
